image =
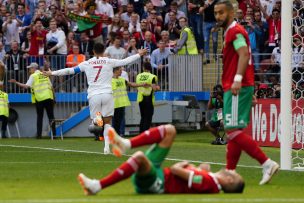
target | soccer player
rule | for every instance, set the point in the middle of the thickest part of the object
(99, 72)
(149, 177)
(238, 85)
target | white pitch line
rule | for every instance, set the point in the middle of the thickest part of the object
(90, 152)
(143, 199)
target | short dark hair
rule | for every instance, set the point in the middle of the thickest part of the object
(98, 48)
(235, 188)
(227, 3)
(21, 4)
(147, 66)
(37, 19)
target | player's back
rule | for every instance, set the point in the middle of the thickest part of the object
(99, 72)
(203, 182)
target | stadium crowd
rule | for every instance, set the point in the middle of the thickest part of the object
(63, 33)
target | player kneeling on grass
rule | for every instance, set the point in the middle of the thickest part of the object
(149, 177)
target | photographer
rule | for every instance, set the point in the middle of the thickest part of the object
(216, 102)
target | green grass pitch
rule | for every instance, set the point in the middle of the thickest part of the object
(45, 171)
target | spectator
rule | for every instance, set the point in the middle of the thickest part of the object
(186, 44)
(42, 96)
(148, 8)
(254, 32)
(143, 27)
(131, 49)
(75, 58)
(86, 45)
(95, 33)
(42, 15)
(267, 5)
(148, 44)
(155, 23)
(138, 6)
(4, 112)
(274, 27)
(297, 21)
(249, 11)
(38, 40)
(165, 38)
(124, 26)
(115, 51)
(239, 17)
(297, 52)
(145, 96)
(215, 103)
(159, 62)
(126, 16)
(196, 20)
(56, 45)
(70, 41)
(134, 25)
(15, 64)
(115, 25)
(111, 38)
(209, 28)
(245, 4)
(25, 19)
(125, 39)
(2, 51)
(31, 6)
(106, 9)
(174, 8)
(62, 22)
(172, 26)
(261, 39)
(10, 30)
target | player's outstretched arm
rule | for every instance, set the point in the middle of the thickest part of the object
(65, 71)
(130, 59)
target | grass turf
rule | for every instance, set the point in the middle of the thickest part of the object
(46, 171)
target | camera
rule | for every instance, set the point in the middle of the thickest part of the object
(244, 23)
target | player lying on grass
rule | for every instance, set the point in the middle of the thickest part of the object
(149, 177)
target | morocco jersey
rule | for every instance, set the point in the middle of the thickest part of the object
(230, 57)
(99, 72)
(202, 182)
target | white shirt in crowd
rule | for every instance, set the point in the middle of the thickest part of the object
(12, 32)
(99, 72)
(115, 53)
(104, 8)
(61, 40)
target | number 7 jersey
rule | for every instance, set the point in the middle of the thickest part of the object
(231, 57)
(99, 72)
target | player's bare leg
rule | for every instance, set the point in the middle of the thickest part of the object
(137, 163)
(239, 141)
(163, 135)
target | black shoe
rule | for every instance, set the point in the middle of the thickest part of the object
(219, 141)
(4, 136)
(38, 137)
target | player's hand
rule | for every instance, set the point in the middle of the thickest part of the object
(12, 80)
(142, 52)
(205, 166)
(47, 73)
(236, 87)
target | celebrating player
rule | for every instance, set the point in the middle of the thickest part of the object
(99, 72)
(238, 84)
(149, 177)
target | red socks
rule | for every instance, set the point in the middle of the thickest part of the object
(239, 142)
(122, 172)
(151, 136)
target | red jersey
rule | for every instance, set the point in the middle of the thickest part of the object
(37, 40)
(230, 58)
(203, 182)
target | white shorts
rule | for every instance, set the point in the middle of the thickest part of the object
(103, 103)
